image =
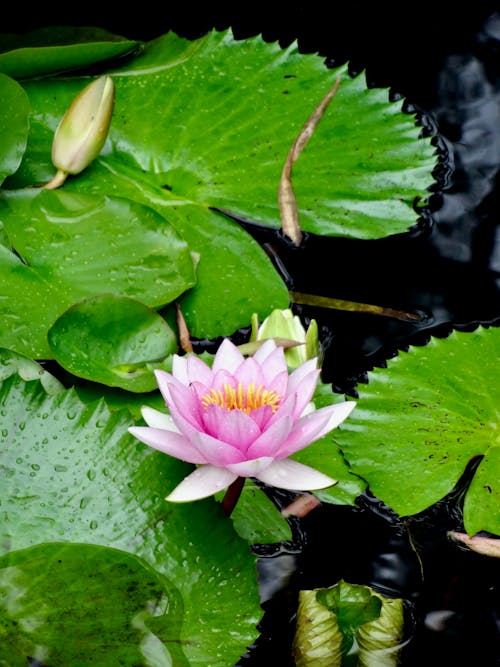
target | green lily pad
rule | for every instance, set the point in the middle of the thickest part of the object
(58, 49)
(418, 423)
(70, 246)
(80, 604)
(208, 123)
(14, 125)
(113, 340)
(257, 519)
(71, 473)
(223, 136)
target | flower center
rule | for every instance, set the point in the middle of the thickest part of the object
(242, 398)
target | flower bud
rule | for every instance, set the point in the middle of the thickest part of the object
(284, 325)
(81, 134)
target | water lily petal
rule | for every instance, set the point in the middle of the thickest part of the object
(215, 451)
(163, 378)
(264, 351)
(341, 412)
(185, 402)
(235, 426)
(306, 392)
(227, 357)
(198, 370)
(158, 419)
(292, 475)
(270, 440)
(286, 408)
(296, 378)
(314, 426)
(222, 377)
(179, 369)
(250, 372)
(251, 468)
(279, 383)
(168, 442)
(261, 416)
(201, 483)
(273, 364)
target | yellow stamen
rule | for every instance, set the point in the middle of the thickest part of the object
(242, 398)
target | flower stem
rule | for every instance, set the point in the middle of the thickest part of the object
(232, 495)
(56, 181)
(353, 306)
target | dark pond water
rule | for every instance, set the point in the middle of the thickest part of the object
(446, 64)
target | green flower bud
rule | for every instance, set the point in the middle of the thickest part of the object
(283, 325)
(83, 129)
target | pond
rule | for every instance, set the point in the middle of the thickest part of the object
(442, 269)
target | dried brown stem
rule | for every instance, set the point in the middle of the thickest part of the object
(289, 212)
(184, 337)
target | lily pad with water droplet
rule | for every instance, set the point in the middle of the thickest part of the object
(208, 123)
(113, 340)
(69, 246)
(71, 473)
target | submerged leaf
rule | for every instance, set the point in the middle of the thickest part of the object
(318, 640)
(80, 604)
(348, 624)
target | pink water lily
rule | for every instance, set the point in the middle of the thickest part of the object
(241, 418)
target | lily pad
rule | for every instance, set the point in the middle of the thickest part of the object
(59, 49)
(421, 421)
(208, 123)
(257, 519)
(14, 125)
(70, 246)
(113, 340)
(71, 473)
(80, 604)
